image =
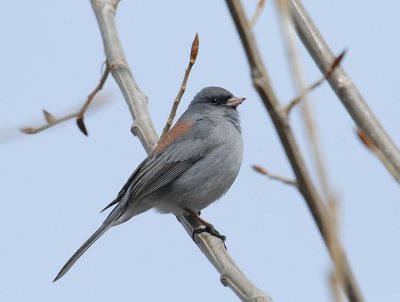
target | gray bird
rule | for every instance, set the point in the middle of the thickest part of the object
(193, 165)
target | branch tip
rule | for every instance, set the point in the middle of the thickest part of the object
(28, 130)
(193, 55)
(195, 49)
(259, 169)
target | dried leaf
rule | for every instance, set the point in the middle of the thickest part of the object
(81, 125)
(195, 49)
(48, 117)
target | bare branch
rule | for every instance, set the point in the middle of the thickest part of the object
(193, 56)
(79, 115)
(345, 89)
(263, 86)
(336, 277)
(143, 128)
(317, 83)
(135, 99)
(259, 9)
(282, 179)
(300, 84)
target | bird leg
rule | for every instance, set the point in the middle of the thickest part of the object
(208, 227)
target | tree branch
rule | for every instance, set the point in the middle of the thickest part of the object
(211, 246)
(345, 89)
(262, 84)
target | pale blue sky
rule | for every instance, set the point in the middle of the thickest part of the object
(55, 183)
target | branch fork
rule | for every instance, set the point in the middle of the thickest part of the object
(294, 102)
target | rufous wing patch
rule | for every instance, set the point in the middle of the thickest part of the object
(176, 131)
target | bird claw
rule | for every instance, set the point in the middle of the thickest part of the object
(209, 228)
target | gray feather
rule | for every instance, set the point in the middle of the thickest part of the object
(82, 250)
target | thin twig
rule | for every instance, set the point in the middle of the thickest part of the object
(231, 275)
(193, 56)
(282, 179)
(14, 132)
(345, 89)
(259, 9)
(79, 115)
(300, 84)
(306, 187)
(317, 83)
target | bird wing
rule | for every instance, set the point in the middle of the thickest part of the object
(125, 188)
(178, 150)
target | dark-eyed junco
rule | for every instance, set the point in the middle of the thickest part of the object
(193, 165)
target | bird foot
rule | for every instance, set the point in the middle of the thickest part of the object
(208, 228)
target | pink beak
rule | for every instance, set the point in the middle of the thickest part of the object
(235, 101)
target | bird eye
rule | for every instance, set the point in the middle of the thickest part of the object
(214, 100)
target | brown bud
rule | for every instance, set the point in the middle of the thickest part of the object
(260, 169)
(28, 130)
(81, 125)
(365, 139)
(48, 116)
(338, 59)
(195, 49)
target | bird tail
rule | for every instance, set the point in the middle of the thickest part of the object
(118, 215)
(101, 230)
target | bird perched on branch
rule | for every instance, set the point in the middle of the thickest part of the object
(193, 165)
